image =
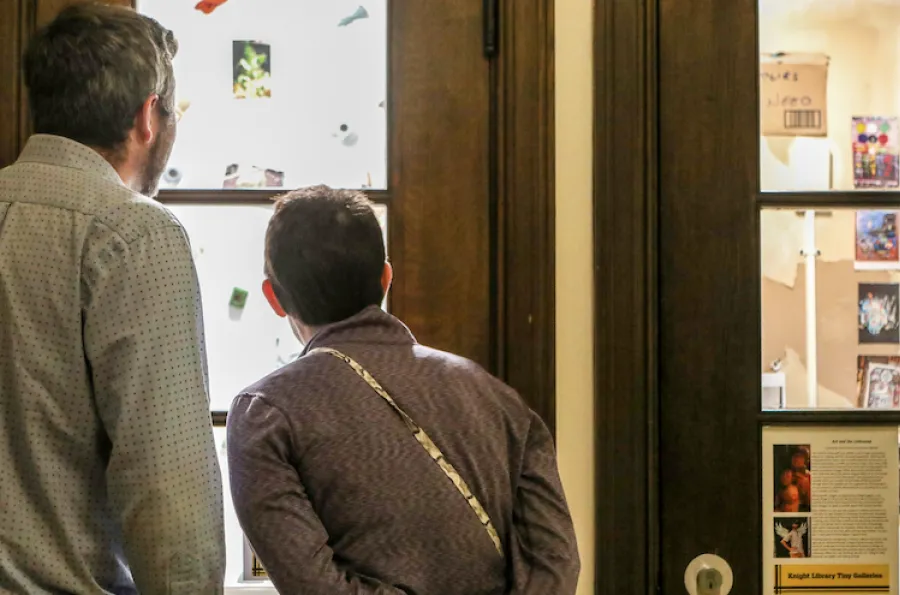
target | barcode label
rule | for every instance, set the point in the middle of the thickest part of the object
(811, 119)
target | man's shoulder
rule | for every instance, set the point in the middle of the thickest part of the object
(314, 374)
(457, 366)
(132, 215)
(108, 204)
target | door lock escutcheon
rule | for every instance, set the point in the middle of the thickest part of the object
(708, 574)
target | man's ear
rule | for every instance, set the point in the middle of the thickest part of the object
(387, 277)
(144, 125)
(269, 292)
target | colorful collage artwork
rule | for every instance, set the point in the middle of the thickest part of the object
(876, 240)
(878, 313)
(878, 382)
(876, 152)
(878, 320)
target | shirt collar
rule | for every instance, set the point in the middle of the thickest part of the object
(64, 152)
(372, 325)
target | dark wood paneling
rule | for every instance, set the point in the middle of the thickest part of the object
(439, 174)
(525, 202)
(835, 199)
(10, 80)
(625, 203)
(859, 417)
(709, 289)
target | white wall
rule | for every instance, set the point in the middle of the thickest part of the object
(574, 269)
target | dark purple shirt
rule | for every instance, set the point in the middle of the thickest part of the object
(337, 497)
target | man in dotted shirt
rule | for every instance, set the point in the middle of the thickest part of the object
(109, 482)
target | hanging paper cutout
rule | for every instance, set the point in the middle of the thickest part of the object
(207, 6)
(361, 13)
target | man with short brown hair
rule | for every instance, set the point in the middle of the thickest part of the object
(109, 481)
(374, 464)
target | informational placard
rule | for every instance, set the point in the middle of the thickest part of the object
(830, 510)
(793, 94)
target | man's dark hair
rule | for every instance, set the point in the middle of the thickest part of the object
(90, 69)
(325, 254)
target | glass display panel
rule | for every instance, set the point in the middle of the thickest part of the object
(830, 294)
(278, 93)
(245, 340)
(829, 97)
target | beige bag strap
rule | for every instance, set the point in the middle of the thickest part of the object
(430, 447)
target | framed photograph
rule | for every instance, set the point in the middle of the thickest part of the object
(878, 382)
(876, 240)
(792, 537)
(252, 68)
(875, 152)
(793, 478)
(878, 313)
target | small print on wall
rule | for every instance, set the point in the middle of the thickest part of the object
(238, 176)
(876, 240)
(878, 381)
(875, 152)
(252, 66)
(792, 537)
(878, 313)
(793, 477)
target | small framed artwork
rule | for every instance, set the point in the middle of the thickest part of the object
(253, 568)
(252, 67)
(878, 313)
(773, 391)
(875, 152)
(251, 176)
(878, 382)
(876, 240)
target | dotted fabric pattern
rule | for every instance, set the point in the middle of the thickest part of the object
(109, 481)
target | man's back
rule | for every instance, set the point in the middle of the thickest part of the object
(107, 466)
(320, 464)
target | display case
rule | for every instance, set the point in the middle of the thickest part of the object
(829, 176)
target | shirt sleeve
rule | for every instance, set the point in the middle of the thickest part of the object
(144, 342)
(274, 511)
(545, 553)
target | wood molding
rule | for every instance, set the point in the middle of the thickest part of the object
(625, 268)
(11, 83)
(525, 203)
(709, 289)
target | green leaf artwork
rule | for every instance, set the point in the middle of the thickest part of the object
(252, 70)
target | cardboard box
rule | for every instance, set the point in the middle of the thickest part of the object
(793, 94)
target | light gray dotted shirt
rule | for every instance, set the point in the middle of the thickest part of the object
(109, 482)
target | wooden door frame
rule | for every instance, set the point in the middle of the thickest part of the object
(626, 201)
(525, 211)
(678, 326)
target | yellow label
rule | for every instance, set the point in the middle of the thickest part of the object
(824, 579)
